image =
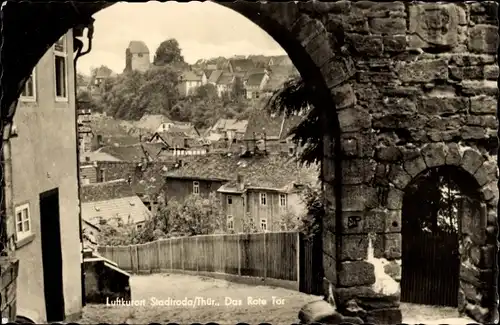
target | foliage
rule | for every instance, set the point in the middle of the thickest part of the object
(294, 98)
(311, 224)
(194, 216)
(248, 225)
(168, 52)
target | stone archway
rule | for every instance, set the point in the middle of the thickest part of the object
(477, 223)
(315, 46)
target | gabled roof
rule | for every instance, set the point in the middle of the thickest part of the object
(97, 156)
(138, 47)
(214, 76)
(271, 171)
(277, 127)
(191, 76)
(255, 80)
(105, 191)
(125, 153)
(129, 209)
(241, 64)
(281, 60)
(226, 79)
(230, 125)
(152, 121)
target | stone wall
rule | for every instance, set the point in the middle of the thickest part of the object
(423, 95)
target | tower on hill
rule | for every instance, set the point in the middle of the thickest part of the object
(137, 56)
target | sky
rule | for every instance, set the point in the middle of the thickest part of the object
(203, 30)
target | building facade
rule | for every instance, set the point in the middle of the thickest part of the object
(45, 190)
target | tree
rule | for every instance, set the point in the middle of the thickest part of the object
(288, 220)
(160, 90)
(294, 97)
(248, 225)
(168, 52)
(207, 92)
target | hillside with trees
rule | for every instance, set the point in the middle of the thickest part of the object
(130, 95)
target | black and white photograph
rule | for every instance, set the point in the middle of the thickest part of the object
(249, 162)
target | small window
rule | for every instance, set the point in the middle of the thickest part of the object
(139, 55)
(263, 199)
(29, 92)
(230, 223)
(229, 199)
(263, 224)
(196, 188)
(139, 226)
(283, 200)
(61, 77)
(102, 175)
(23, 221)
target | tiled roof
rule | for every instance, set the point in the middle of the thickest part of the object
(97, 156)
(190, 76)
(105, 191)
(138, 47)
(226, 78)
(242, 64)
(281, 60)
(275, 81)
(151, 180)
(255, 79)
(261, 121)
(271, 171)
(152, 122)
(230, 125)
(214, 76)
(128, 209)
(125, 153)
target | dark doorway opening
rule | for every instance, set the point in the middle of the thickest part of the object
(52, 255)
(431, 234)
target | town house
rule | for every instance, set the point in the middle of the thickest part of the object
(41, 159)
(255, 84)
(190, 81)
(263, 187)
(112, 203)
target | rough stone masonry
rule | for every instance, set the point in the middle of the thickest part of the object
(420, 91)
(413, 86)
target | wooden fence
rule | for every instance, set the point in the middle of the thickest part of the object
(272, 256)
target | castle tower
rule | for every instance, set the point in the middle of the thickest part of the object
(137, 56)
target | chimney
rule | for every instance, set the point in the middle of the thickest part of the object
(240, 179)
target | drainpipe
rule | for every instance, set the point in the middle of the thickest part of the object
(80, 53)
(8, 202)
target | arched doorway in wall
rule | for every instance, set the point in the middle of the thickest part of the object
(433, 207)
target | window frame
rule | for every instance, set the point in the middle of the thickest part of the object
(61, 54)
(263, 196)
(263, 221)
(23, 234)
(230, 220)
(283, 197)
(229, 199)
(102, 175)
(196, 188)
(30, 99)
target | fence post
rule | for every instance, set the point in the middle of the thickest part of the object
(131, 258)
(298, 252)
(137, 255)
(197, 255)
(182, 253)
(265, 255)
(158, 266)
(239, 254)
(171, 256)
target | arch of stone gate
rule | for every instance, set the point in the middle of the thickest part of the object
(477, 233)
